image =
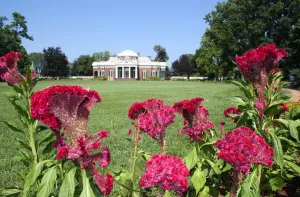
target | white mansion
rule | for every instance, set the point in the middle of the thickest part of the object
(129, 65)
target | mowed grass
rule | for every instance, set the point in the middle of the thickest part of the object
(111, 115)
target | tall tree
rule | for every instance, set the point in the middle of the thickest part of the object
(236, 26)
(83, 66)
(37, 60)
(161, 53)
(101, 56)
(11, 35)
(184, 65)
(56, 62)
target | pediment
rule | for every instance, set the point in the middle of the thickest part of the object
(126, 62)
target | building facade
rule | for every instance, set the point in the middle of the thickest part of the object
(129, 65)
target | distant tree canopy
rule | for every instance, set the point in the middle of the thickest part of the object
(184, 65)
(37, 60)
(11, 35)
(161, 53)
(236, 26)
(82, 66)
(55, 62)
(101, 56)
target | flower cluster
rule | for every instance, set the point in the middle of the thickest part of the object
(67, 106)
(195, 118)
(153, 117)
(256, 64)
(168, 171)
(8, 68)
(283, 107)
(232, 110)
(242, 147)
(87, 160)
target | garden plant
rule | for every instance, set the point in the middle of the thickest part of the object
(257, 158)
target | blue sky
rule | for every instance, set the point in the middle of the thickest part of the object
(84, 27)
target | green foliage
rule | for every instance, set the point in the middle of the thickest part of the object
(235, 26)
(156, 78)
(68, 185)
(161, 53)
(82, 66)
(47, 183)
(37, 60)
(101, 56)
(56, 63)
(11, 35)
(184, 65)
(87, 190)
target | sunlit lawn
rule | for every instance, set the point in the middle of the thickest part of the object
(111, 114)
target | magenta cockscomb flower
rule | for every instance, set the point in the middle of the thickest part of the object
(167, 171)
(67, 106)
(230, 111)
(256, 64)
(136, 109)
(243, 147)
(8, 68)
(195, 118)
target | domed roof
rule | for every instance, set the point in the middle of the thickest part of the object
(129, 53)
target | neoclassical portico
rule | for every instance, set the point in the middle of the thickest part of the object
(129, 65)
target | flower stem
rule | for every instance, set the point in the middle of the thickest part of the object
(32, 143)
(259, 174)
(163, 145)
(237, 178)
(160, 191)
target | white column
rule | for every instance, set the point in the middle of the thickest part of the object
(117, 72)
(99, 73)
(136, 73)
(129, 72)
(123, 72)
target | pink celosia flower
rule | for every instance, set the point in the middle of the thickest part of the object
(284, 107)
(195, 118)
(243, 147)
(67, 106)
(232, 110)
(136, 109)
(168, 171)
(256, 64)
(82, 154)
(8, 68)
(156, 119)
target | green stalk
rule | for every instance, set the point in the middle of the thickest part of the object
(32, 143)
(259, 174)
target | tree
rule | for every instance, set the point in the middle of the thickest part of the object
(11, 35)
(37, 60)
(56, 62)
(184, 65)
(101, 56)
(161, 53)
(83, 66)
(236, 26)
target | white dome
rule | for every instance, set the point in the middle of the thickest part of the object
(128, 53)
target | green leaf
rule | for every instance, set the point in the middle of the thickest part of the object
(87, 190)
(10, 192)
(296, 113)
(277, 149)
(18, 89)
(41, 128)
(293, 167)
(275, 183)
(48, 138)
(12, 127)
(22, 143)
(290, 125)
(12, 95)
(214, 166)
(249, 186)
(167, 194)
(245, 89)
(198, 180)
(68, 186)
(204, 192)
(191, 159)
(32, 175)
(48, 182)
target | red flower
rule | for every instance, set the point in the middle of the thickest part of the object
(168, 171)
(155, 118)
(136, 109)
(256, 64)
(67, 106)
(195, 118)
(8, 68)
(242, 147)
(284, 107)
(232, 110)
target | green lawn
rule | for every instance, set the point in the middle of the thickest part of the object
(111, 114)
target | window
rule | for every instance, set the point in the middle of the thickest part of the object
(157, 73)
(111, 73)
(144, 74)
(102, 72)
(153, 73)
